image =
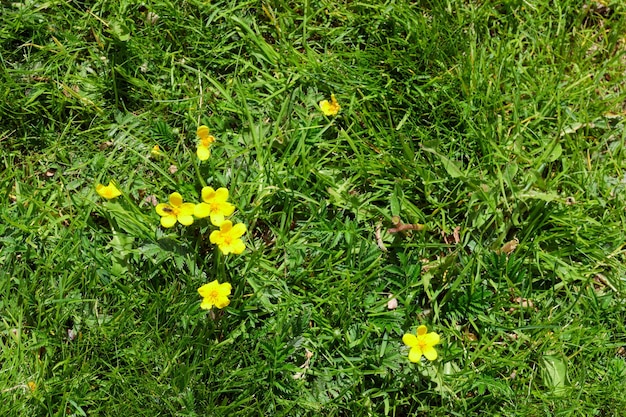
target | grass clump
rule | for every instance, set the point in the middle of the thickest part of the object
(471, 181)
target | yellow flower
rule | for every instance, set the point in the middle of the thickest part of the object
(108, 192)
(32, 386)
(176, 210)
(330, 108)
(204, 146)
(422, 344)
(156, 151)
(214, 205)
(228, 237)
(214, 294)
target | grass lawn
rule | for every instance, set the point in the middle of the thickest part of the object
(473, 181)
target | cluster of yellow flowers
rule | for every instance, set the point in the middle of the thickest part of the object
(214, 205)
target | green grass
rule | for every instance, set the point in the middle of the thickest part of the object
(494, 121)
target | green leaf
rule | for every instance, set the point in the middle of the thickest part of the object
(453, 170)
(396, 196)
(120, 31)
(554, 152)
(554, 373)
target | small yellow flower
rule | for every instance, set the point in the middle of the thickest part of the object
(214, 205)
(175, 211)
(156, 151)
(214, 294)
(108, 192)
(204, 146)
(422, 344)
(32, 386)
(330, 108)
(228, 237)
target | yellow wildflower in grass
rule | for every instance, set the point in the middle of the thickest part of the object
(214, 205)
(32, 386)
(228, 237)
(175, 211)
(108, 192)
(156, 151)
(214, 294)
(204, 146)
(421, 344)
(330, 108)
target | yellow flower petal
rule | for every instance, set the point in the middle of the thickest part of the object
(421, 330)
(163, 209)
(225, 249)
(202, 210)
(214, 237)
(221, 194)
(409, 339)
(431, 339)
(203, 152)
(226, 226)
(225, 289)
(430, 353)
(227, 209)
(415, 354)
(176, 199)
(238, 230)
(238, 247)
(168, 221)
(186, 209)
(203, 131)
(222, 302)
(217, 219)
(206, 289)
(206, 142)
(208, 193)
(185, 220)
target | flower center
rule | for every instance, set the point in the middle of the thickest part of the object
(214, 295)
(421, 343)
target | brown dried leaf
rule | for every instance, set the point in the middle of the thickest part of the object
(509, 247)
(523, 302)
(105, 145)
